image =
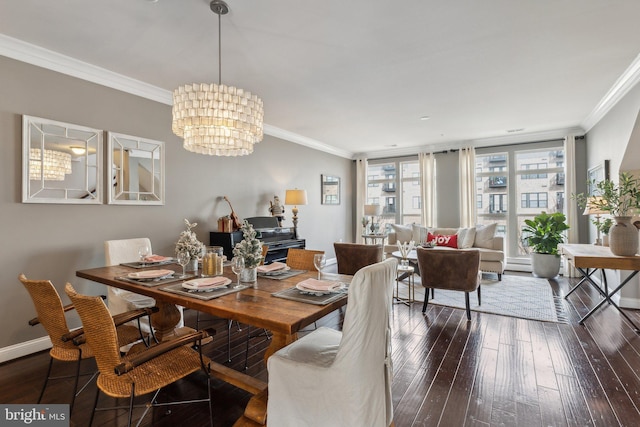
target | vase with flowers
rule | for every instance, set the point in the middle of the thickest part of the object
(622, 201)
(188, 243)
(250, 249)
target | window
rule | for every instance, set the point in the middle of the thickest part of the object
(479, 200)
(532, 166)
(518, 182)
(533, 200)
(396, 184)
(497, 203)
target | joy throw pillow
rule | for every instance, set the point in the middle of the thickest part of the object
(450, 241)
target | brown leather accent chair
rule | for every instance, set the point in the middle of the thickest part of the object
(351, 257)
(456, 270)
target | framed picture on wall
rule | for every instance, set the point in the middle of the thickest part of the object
(330, 189)
(597, 174)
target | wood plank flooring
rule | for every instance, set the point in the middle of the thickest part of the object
(491, 371)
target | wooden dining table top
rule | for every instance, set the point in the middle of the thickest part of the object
(254, 306)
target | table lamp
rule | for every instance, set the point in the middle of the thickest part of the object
(372, 210)
(593, 208)
(295, 197)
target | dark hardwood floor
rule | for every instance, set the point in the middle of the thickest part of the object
(491, 371)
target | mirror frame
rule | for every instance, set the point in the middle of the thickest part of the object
(47, 132)
(122, 143)
(327, 185)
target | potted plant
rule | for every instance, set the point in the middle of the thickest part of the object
(604, 226)
(543, 234)
(621, 200)
(189, 244)
(250, 249)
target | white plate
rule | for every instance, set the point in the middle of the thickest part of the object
(205, 284)
(150, 274)
(337, 288)
(276, 272)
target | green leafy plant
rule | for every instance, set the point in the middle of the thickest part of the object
(604, 225)
(544, 232)
(622, 199)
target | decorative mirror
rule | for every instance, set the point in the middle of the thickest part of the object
(61, 162)
(330, 189)
(136, 170)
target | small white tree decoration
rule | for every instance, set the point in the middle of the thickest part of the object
(249, 247)
(188, 242)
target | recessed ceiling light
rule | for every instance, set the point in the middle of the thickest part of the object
(425, 118)
(515, 130)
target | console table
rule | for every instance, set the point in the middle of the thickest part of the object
(589, 258)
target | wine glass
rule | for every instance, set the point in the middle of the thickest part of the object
(143, 253)
(183, 259)
(237, 265)
(319, 261)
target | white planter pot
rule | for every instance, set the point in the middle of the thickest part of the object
(545, 265)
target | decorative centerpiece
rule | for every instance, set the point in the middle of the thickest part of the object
(405, 248)
(250, 249)
(622, 201)
(188, 243)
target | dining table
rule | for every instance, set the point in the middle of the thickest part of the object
(272, 303)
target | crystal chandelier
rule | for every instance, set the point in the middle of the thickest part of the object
(51, 164)
(216, 119)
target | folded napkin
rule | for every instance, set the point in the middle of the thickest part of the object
(206, 282)
(319, 285)
(271, 267)
(156, 258)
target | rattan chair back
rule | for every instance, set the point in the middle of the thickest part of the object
(302, 259)
(141, 372)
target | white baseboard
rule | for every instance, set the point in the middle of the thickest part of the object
(24, 349)
(633, 303)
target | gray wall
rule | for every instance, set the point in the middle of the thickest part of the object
(48, 241)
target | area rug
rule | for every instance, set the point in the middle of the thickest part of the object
(515, 296)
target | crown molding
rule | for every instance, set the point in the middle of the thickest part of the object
(520, 138)
(621, 87)
(307, 142)
(50, 60)
(36, 55)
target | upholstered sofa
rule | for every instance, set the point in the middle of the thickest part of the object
(481, 238)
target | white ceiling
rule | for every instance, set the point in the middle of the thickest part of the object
(358, 75)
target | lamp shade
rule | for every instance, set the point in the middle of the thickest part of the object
(295, 197)
(594, 206)
(373, 210)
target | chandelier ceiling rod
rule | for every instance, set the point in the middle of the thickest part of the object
(219, 8)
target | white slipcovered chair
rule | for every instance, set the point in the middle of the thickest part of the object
(119, 300)
(331, 378)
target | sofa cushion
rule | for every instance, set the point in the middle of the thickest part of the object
(419, 233)
(484, 236)
(404, 233)
(466, 237)
(448, 240)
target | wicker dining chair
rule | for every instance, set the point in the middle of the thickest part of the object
(51, 315)
(142, 372)
(302, 259)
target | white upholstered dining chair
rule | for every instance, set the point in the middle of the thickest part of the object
(119, 300)
(332, 378)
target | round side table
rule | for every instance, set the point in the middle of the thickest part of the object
(406, 271)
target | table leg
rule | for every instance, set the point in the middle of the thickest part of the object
(581, 281)
(164, 322)
(607, 297)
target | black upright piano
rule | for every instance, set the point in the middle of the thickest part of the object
(278, 239)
